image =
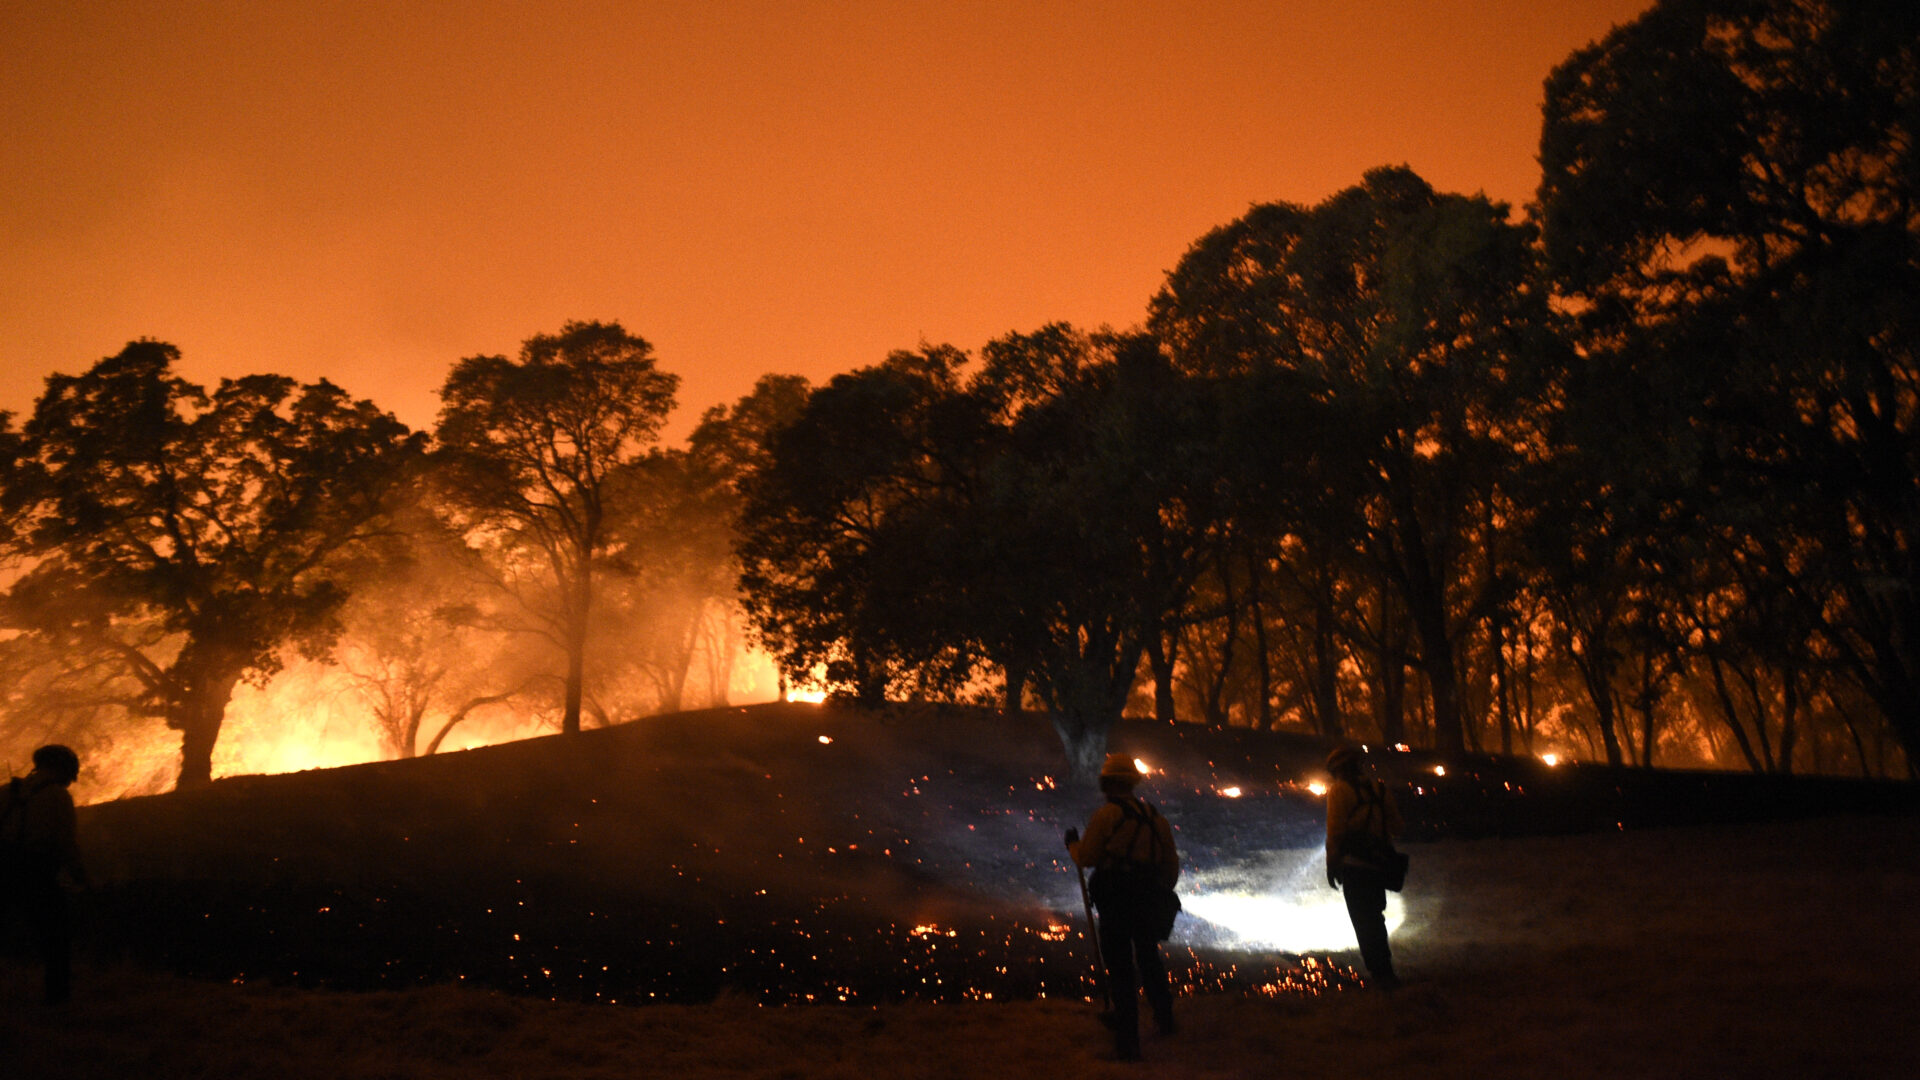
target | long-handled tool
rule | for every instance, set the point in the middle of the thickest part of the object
(1093, 935)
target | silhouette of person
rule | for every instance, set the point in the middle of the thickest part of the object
(1130, 847)
(1361, 821)
(42, 861)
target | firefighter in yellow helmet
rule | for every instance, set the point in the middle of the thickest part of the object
(1361, 822)
(1130, 848)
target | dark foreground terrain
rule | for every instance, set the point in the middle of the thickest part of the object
(469, 915)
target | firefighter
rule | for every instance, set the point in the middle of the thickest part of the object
(40, 860)
(1361, 822)
(1130, 848)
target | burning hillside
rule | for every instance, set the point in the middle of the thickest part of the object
(787, 853)
(791, 853)
(795, 854)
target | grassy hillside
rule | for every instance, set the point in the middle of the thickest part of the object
(734, 857)
(778, 852)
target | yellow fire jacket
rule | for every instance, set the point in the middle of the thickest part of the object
(1347, 813)
(1112, 837)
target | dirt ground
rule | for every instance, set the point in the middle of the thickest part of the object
(1759, 950)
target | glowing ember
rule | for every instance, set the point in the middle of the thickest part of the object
(1145, 769)
(1230, 792)
(1439, 770)
(1550, 759)
(826, 740)
(1318, 787)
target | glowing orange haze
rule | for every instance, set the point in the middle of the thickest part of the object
(371, 191)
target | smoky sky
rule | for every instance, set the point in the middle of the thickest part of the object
(370, 192)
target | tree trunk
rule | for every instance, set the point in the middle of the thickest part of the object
(1596, 671)
(1086, 700)
(1789, 720)
(1263, 661)
(1393, 696)
(869, 681)
(1646, 702)
(1609, 737)
(1160, 659)
(724, 642)
(1014, 702)
(1326, 674)
(1503, 687)
(1427, 606)
(1436, 653)
(1084, 738)
(410, 737)
(433, 745)
(197, 736)
(577, 647)
(1731, 715)
(197, 714)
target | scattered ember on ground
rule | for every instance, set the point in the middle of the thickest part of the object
(783, 855)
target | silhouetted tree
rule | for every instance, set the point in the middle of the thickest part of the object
(527, 449)
(1414, 316)
(175, 541)
(1728, 196)
(1094, 515)
(846, 527)
(1603, 545)
(1045, 517)
(735, 442)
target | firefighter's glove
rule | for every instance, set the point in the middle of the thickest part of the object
(1073, 836)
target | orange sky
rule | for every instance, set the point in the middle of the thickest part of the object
(370, 191)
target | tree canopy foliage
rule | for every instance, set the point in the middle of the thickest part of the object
(529, 448)
(1405, 328)
(173, 541)
(918, 523)
(1731, 194)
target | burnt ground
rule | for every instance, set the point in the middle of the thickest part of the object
(784, 853)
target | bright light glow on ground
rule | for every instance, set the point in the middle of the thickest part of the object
(1280, 903)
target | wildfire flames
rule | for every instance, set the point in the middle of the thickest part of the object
(313, 715)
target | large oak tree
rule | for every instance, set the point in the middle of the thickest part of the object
(529, 449)
(173, 541)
